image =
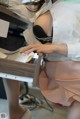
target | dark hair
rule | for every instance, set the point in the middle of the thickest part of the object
(38, 4)
(53, 1)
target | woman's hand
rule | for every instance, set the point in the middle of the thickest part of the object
(39, 48)
(47, 49)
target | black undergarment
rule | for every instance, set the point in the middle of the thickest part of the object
(41, 35)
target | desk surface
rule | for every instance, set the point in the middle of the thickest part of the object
(8, 15)
(20, 71)
(17, 68)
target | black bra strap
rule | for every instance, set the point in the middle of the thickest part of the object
(41, 35)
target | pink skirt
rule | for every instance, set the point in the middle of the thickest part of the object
(59, 81)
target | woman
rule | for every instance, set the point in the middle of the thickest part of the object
(15, 110)
(59, 80)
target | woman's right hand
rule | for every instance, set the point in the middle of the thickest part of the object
(40, 48)
(47, 49)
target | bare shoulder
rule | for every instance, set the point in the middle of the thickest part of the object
(46, 16)
(45, 21)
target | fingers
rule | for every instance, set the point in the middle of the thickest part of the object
(30, 48)
(39, 48)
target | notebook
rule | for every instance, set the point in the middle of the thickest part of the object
(23, 57)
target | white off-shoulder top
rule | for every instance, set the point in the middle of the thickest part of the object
(66, 29)
(66, 26)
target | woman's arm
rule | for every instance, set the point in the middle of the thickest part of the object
(69, 50)
(45, 21)
(47, 49)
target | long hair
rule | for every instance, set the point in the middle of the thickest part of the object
(37, 4)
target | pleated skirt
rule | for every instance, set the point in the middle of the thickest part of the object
(59, 81)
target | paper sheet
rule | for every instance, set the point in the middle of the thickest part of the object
(4, 27)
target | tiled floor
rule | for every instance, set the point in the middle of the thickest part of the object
(39, 113)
